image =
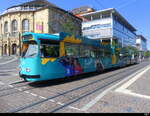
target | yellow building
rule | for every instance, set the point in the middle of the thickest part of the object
(37, 16)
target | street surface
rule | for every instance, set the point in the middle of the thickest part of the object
(124, 90)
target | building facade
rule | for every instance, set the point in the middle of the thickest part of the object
(107, 25)
(37, 16)
(82, 10)
(141, 43)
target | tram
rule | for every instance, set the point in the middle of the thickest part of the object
(47, 56)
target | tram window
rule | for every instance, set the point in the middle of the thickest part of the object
(71, 49)
(85, 51)
(93, 52)
(48, 50)
(107, 53)
(29, 49)
(98, 53)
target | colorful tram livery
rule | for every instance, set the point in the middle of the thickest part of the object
(46, 57)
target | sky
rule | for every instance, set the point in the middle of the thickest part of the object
(136, 12)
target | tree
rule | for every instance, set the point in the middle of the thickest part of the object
(147, 54)
(69, 27)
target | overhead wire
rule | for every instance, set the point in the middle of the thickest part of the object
(126, 4)
(99, 3)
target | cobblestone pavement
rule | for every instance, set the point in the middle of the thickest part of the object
(118, 90)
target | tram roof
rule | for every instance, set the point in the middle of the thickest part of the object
(61, 36)
(43, 35)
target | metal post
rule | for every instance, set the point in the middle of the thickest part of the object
(9, 43)
(111, 40)
(2, 45)
(19, 44)
(122, 42)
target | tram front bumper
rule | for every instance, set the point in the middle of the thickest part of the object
(29, 76)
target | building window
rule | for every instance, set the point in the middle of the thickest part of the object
(14, 27)
(107, 15)
(6, 28)
(25, 25)
(1, 28)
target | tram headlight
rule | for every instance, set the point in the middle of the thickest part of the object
(27, 69)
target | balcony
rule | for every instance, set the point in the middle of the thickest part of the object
(98, 33)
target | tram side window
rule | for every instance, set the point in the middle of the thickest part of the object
(98, 53)
(85, 51)
(107, 53)
(93, 52)
(71, 50)
(49, 50)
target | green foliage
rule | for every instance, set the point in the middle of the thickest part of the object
(147, 54)
(131, 48)
(69, 27)
(113, 43)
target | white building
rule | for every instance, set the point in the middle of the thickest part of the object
(108, 24)
(141, 43)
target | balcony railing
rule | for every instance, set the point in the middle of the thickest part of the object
(99, 33)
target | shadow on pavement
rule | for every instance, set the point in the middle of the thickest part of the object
(70, 79)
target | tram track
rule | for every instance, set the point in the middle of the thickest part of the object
(30, 88)
(13, 87)
(85, 94)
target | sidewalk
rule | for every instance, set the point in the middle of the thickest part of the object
(133, 99)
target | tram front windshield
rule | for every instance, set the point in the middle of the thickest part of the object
(29, 49)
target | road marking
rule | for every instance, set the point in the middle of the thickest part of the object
(74, 108)
(94, 101)
(131, 81)
(19, 89)
(14, 74)
(42, 97)
(52, 100)
(24, 87)
(129, 92)
(1, 83)
(34, 94)
(11, 86)
(27, 92)
(60, 104)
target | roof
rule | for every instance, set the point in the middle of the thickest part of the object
(44, 4)
(82, 9)
(39, 35)
(38, 3)
(142, 37)
(115, 12)
(61, 37)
